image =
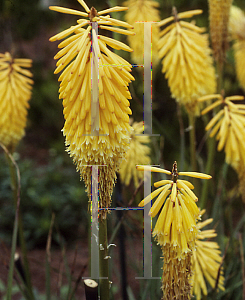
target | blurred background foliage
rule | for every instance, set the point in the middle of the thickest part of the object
(49, 181)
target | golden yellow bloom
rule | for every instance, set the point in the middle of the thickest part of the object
(237, 32)
(176, 224)
(239, 54)
(138, 153)
(187, 63)
(15, 92)
(229, 127)
(86, 147)
(175, 229)
(237, 23)
(206, 261)
(142, 11)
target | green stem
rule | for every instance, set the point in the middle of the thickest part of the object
(14, 186)
(104, 260)
(211, 143)
(192, 133)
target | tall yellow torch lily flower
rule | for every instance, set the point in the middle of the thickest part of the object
(237, 32)
(85, 147)
(175, 229)
(186, 60)
(229, 127)
(206, 261)
(138, 153)
(15, 92)
(140, 11)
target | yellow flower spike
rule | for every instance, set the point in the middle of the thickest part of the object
(74, 60)
(171, 191)
(186, 61)
(229, 127)
(237, 23)
(140, 11)
(15, 93)
(239, 56)
(137, 153)
(206, 261)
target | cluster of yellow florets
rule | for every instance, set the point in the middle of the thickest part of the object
(187, 63)
(15, 92)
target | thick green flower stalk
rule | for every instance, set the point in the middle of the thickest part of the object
(85, 147)
(176, 228)
(219, 12)
(186, 60)
(140, 11)
(237, 32)
(137, 154)
(229, 127)
(15, 93)
(206, 261)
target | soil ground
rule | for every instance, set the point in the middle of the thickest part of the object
(77, 259)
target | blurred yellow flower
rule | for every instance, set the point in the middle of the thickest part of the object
(237, 32)
(176, 223)
(140, 11)
(206, 261)
(187, 62)
(138, 153)
(86, 147)
(15, 92)
(229, 127)
(219, 12)
(239, 55)
(237, 23)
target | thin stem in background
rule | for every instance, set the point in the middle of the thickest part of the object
(104, 284)
(15, 186)
(211, 143)
(242, 266)
(16, 222)
(48, 259)
(192, 134)
(182, 138)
